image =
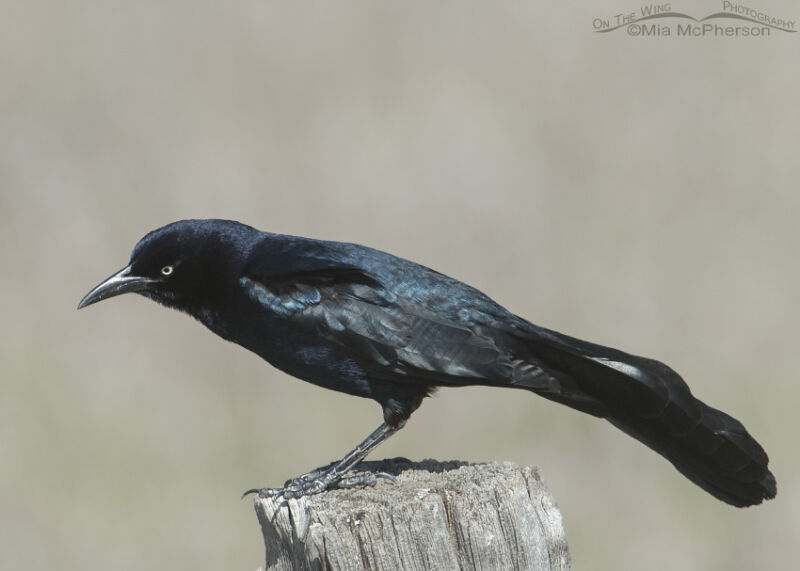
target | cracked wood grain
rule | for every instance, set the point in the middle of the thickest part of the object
(439, 515)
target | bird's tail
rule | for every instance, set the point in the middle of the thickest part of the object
(651, 402)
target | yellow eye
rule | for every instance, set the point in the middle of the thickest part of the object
(166, 270)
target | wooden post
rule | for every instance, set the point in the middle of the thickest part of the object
(448, 515)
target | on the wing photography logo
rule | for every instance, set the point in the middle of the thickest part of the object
(661, 20)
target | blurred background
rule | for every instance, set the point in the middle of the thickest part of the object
(637, 192)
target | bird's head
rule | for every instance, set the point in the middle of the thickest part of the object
(184, 265)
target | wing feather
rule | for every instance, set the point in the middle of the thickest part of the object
(400, 337)
(352, 309)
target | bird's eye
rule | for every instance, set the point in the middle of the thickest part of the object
(166, 270)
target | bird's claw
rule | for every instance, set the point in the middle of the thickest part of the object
(298, 487)
(363, 479)
(317, 481)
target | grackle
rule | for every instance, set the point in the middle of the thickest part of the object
(364, 322)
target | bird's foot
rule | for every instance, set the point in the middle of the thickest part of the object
(320, 480)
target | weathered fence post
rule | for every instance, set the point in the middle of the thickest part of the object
(448, 515)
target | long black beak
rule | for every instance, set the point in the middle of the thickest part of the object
(119, 283)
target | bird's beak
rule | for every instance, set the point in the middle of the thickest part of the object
(119, 283)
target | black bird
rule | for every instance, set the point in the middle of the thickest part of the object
(364, 322)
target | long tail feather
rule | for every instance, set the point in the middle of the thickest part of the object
(651, 402)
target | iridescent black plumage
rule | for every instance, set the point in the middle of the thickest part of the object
(364, 322)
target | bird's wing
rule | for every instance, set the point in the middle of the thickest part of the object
(392, 336)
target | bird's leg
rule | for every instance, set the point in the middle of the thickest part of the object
(332, 475)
